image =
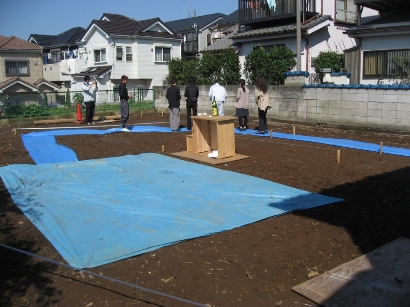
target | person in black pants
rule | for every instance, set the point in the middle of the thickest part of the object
(89, 90)
(125, 107)
(191, 94)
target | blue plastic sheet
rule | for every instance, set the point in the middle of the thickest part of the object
(98, 211)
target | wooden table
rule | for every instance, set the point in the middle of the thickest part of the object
(212, 133)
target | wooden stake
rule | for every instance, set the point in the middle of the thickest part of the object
(294, 130)
(270, 134)
(381, 148)
(163, 147)
(338, 156)
(162, 112)
(141, 114)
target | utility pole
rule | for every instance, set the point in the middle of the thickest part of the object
(298, 37)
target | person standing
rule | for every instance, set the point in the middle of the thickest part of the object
(242, 105)
(174, 98)
(89, 90)
(191, 94)
(219, 92)
(124, 104)
(262, 101)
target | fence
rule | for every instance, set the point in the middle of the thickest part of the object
(59, 103)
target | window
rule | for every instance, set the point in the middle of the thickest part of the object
(346, 11)
(128, 54)
(99, 55)
(381, 63)
(162, 54)
(119, 56)
(16, 67)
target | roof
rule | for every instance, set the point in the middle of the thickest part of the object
(224, 42)
(95, 71)
(383, 5)
(15, 43)
(114, 24)
(69, 37)
(182, 25)
(391, 23)
(283, 29)
(34, 87)
(42, 39)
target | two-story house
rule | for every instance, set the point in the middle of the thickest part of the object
(117, 45)
(269, 23)
(21, 67)
(198, 32)
(382, 41)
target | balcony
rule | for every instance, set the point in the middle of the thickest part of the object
(62, 70)
(263, 12)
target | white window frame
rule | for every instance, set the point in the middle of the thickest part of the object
(101, 54)
(118, 54)
(128, 54)
(157, 48)
(19, 68)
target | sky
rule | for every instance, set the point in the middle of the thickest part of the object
(22, 18)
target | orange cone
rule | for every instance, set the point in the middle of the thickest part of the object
(79, 116)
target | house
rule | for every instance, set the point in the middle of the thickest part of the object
(268, 23)
(117, 45)
(21, 67)
(381, 41)
(58, 54)
(199, 32)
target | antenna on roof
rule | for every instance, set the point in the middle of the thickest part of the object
(189, 8)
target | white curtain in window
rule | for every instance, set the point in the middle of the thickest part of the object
(158, 54)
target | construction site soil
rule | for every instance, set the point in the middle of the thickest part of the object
(253, 265)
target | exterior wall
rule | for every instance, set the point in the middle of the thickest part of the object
(35, 65)
(370, 108)
(383, 42)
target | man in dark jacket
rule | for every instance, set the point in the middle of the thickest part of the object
(174, 97)
(191, 94)
(125, 107)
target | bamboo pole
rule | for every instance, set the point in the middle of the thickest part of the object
(381, 148)
(338, 156)
(294, 130)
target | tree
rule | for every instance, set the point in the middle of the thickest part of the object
(329, 59)
(230, 71)
(209, 69)
(272, 65)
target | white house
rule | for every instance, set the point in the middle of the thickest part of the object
(382, 40)
(117, 45)
(273, 23)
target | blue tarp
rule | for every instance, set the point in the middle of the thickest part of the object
(43, 148)
(98, 211)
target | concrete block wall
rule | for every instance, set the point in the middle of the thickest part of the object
(369, 108)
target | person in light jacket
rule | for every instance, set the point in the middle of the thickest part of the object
(89, 90)
(219, 92)
(242, 105)
(262, 101)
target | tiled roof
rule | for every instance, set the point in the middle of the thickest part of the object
(44, 81)
(69, 37)
(42, 39)
(282, 29)
(13, 80)
(15, 43)
(224, 42)
(95, 71)
(114, 24)
(186, 24)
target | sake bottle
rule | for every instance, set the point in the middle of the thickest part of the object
(214, 108)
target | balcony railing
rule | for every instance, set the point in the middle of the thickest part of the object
(254, 11)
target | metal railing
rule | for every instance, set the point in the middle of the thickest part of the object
(63, 104)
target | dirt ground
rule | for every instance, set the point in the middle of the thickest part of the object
(254, 265)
